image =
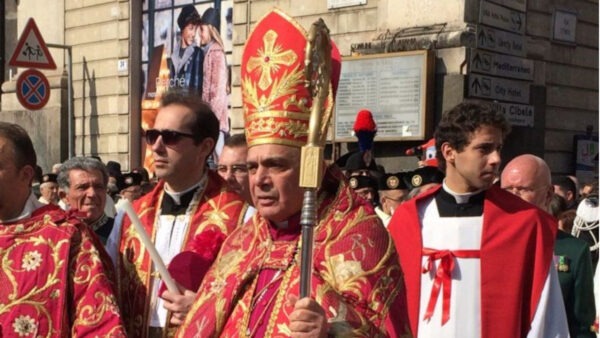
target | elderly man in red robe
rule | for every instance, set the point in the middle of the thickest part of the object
(188, 201)
(52, 279)
(477, 260)
(252, 290)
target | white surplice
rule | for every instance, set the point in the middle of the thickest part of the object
(464, 233)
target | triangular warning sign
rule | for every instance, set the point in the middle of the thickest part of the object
(31, 50)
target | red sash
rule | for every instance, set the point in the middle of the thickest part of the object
(443, 277)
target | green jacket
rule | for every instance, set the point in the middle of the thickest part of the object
(574, 265)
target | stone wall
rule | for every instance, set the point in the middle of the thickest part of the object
(570, 74)
(107, 112)
(565, 82)
(99, 33)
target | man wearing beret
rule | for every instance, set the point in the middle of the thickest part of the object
(365, 187)
(130, 186)
(49, 189)
(392, 191)
(187, 60)
(422, 179)
(252, 290)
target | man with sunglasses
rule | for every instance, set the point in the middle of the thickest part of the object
(188, 200)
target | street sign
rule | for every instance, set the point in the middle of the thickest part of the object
(501, 17)
(31, 49)
(520, 5)
(344, 3)
(500, 65)
(520, 115)
(495, 88)
(33, 89)
(500, 41)
(564, 26)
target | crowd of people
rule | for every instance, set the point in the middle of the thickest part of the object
(513, 252)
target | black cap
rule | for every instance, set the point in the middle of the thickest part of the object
(358, 182)
(48, 178)
(211, 17)
(422, 176)
(355, 161)
(188, 14)
(143, 173)
(128, 180)
(392, 182)
(113, 168)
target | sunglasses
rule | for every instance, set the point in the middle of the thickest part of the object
(169, 137)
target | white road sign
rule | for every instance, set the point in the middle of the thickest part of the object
(500, 41)
(517, 114)
(500, 65)
(344, 3)
(501, 17)
(31, 49)
(495, 88)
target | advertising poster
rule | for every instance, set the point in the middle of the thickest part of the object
(177, 53)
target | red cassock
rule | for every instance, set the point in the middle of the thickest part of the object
(52, 280)
(356, 277)
(515, 255)
(219, 209)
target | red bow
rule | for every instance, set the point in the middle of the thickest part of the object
(443, 277)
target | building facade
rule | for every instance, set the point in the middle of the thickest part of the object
(537, 59)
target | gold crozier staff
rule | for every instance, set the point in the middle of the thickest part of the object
(318, 74)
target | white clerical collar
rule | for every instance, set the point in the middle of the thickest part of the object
(176, 196)
(31, 205)
(461, 198)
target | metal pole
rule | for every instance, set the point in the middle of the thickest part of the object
(308, 220)
(70, 117)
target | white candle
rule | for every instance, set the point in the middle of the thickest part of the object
(126, 206)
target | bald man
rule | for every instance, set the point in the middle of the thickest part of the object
(528, 177)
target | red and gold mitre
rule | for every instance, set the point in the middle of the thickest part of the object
(276, 101)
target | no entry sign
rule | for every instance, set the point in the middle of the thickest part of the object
(33, 89)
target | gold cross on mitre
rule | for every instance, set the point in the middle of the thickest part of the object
(269, 58)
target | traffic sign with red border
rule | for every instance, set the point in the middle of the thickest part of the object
(31, 49)
(33, 89)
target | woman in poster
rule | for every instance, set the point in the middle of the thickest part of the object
(214, 88)
(185, 66)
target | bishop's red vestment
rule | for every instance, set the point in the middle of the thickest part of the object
(52, 280)
(356, 277)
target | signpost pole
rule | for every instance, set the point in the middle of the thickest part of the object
(70, 117)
